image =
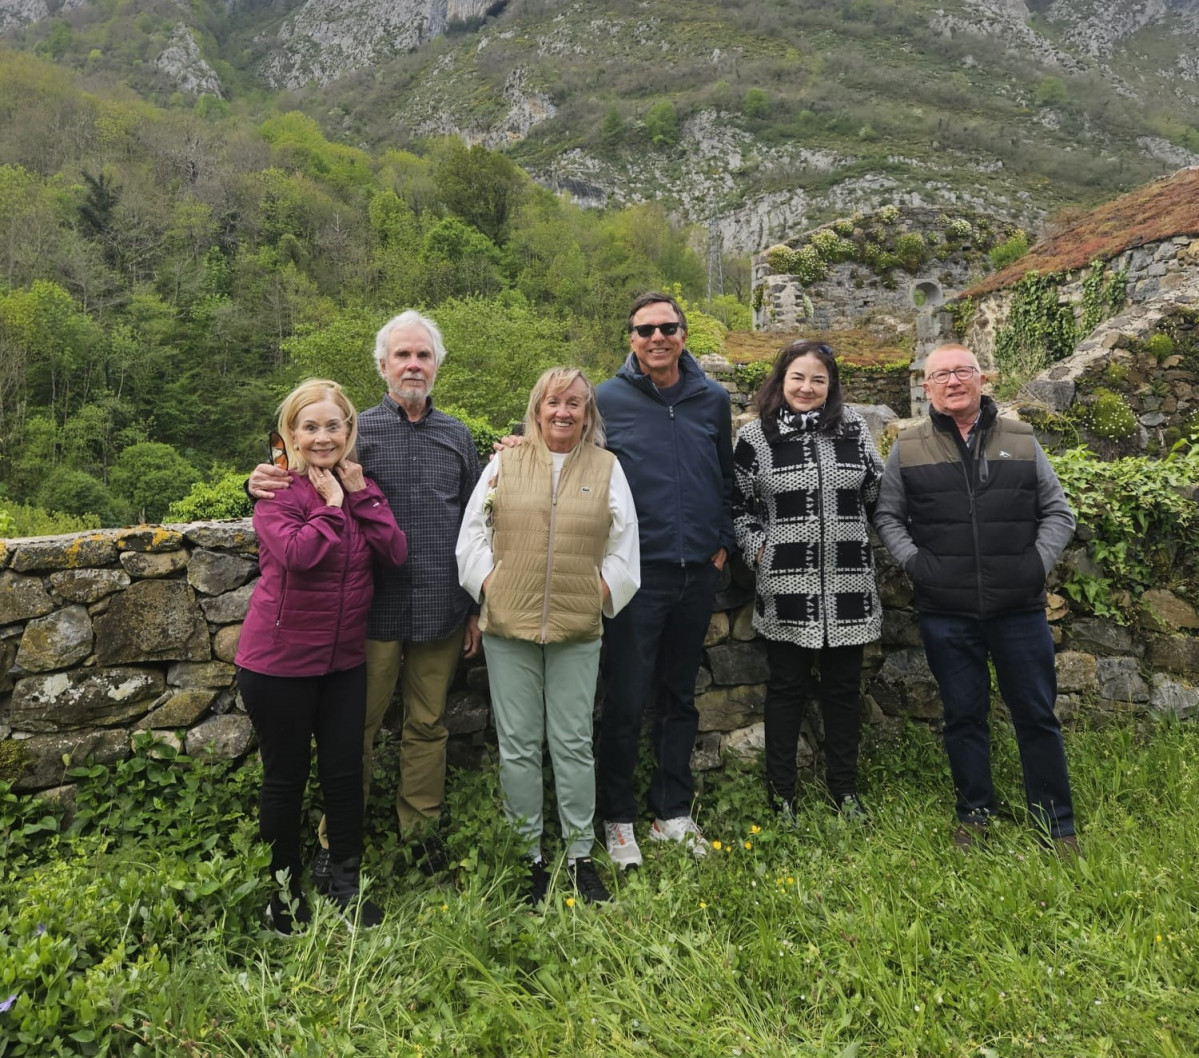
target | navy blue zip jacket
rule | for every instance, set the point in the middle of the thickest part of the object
(678, 459)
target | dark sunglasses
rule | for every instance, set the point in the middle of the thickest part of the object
(278, 450)
(646, 330)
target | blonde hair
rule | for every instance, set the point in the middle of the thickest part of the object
(310, 391)
(555, 380)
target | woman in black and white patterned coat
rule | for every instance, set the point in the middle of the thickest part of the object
(807, 474)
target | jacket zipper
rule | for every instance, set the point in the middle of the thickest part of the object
(824, 591)
(347, 547)
(549, 555)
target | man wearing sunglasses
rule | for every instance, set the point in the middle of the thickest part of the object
(671, 428)
(972, 510)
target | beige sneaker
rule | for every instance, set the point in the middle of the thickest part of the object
(681, 829)
(622, 845)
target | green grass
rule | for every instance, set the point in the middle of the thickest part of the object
(812, 938)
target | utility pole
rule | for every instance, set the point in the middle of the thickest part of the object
(715, 259)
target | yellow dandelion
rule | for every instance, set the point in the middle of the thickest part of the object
(717, 846)
(790, 881)
(749, 844)
(755, 829)
(445, 907)
(704, 904)
(1157, 939)
(728, 848)
(570, 901)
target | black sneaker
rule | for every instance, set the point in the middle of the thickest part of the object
(850, 808)
(356, 909)
(322, 878)
(432, 857)
(539, 882)
(287, 917)
(587, 881)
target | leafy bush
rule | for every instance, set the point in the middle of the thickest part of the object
(808, 265)
(1110, 416)
(20, 519)
(1009, 251)
(662, 123)
(224, 496)
(1160, 346)
(757, 103)
(779, 258)
(749, 377)
(911, 250)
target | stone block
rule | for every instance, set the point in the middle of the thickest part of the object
(65, 701)
(894, 586)
(718, 629)
(43, 755)
(466, 712)
(8, 655)
(1076, 673)
(230, 607)
(739, 663)
(1178, 654)
(146, 566)
(1170, 695)
(214, 573)
(743, 624)
(901, 629)
(1120, 680)
(152, 620)
(1097, 635)
(726, 708)
(1165, 612)
(149, 538)
(22, 598)
(88, 585)
(706, 754)
(703, 680)
(224, 643)
(71, 551)
(217, 674)
(905, 686)
(181, 709)
(746, 743)
(56, 641)
(237, 536)
(1058, 394)
(229, 737)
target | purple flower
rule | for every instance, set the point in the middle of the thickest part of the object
(41, 928)
(6, 1005)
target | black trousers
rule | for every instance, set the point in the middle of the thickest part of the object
(839, 687)
(288, 713)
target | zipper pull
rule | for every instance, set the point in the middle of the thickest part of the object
(671, 409)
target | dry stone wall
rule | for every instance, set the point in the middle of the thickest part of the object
(108, 633)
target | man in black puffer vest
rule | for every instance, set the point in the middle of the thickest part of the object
(972, 511)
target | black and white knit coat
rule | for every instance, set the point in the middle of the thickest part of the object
(803, 495)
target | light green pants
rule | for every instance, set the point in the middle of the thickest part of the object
(540, 692)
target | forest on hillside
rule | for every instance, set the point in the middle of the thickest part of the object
(167, 273)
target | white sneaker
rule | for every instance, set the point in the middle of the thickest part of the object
(682, 829)
(622, 845)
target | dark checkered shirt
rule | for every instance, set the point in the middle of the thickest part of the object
(427, 470)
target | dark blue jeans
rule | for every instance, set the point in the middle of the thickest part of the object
(1021, 648)
(653, 647)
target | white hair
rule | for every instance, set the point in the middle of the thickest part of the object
(407, 319)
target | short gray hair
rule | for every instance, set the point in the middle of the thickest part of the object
(406, 319)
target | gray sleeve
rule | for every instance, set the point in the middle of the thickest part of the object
(891, 513)
(1055, 520)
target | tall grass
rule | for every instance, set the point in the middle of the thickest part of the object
(809, 937)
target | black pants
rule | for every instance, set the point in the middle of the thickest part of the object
(288, 712)
(840, 692)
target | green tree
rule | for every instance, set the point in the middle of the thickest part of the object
(757, 103)
(149, 477)
(480, 186)
(662, 123)
(77, 492)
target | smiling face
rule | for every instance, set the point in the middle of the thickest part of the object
(410, 365)
(321, 434)
(562, 416)
(805, 385)
(658, 355)
(959, 398)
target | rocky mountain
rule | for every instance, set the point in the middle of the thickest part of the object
(752, 117)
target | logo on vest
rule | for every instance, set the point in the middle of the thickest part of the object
(585, 490)
(1004, 455)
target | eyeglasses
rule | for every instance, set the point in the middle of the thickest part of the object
(646, 330)
(333, 426)
(962, 374)
(278, 450)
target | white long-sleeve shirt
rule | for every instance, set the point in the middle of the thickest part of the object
(620, 569)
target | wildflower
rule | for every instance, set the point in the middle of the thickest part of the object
(702, 904)
(41, 928)
(1157, 939)
(717, 845)
(6, 1006)
(445, 907)
(749, 844)
(790, 881)
(570, 901)
(755, 829)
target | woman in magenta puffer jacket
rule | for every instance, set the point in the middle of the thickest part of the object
(301, 656)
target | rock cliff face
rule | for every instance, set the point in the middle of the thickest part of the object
(182, 62)
(326, 39)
